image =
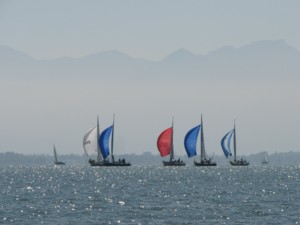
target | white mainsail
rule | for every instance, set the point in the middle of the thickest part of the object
(265, 159)
(90, 142)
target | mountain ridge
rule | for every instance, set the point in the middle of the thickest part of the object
(182, 51)
(269, 59)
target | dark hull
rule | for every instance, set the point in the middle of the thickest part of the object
(173, 163)
(264, 162)
(205, 163)
(59, 163)
(103, 163)
(239, 163)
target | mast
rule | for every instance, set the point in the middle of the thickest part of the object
(234, 142)
(202, 146)
(172, 147)
(55, 155)
(112, 140)
(98, 148)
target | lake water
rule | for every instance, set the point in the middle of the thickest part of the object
(150, 195)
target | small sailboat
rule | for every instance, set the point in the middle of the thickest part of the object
(265, 160)
(190, 144)
(225, 143)
(56, 162)
(91, 146)
(101, 145)
(165, 147)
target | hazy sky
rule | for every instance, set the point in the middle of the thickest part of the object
(147, 29)
(35, 115)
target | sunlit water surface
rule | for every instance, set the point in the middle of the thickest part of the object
(150, 195)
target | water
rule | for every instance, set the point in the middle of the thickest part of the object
(150, 195)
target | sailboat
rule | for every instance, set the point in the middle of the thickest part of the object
(101, 145)
(265, 160)
(91, 146)
(225, 143)
(165, 147)
(104, 147)
(56, 162)
(190, 144)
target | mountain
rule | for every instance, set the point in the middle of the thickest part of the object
(180, 56)
(257, 60)
(10, 55)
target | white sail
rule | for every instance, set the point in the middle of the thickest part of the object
(90, 144)
(266, 158)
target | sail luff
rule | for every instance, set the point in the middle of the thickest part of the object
(234, 142)
(203, 155)
(99, 156)
(172, 146)
(112, 140)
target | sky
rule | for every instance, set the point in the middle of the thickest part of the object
(143, 29)
(37, 115)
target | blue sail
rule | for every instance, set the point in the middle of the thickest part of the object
(104, 142)
(225, 143)
(190, 141)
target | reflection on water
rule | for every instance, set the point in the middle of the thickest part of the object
(150, 195)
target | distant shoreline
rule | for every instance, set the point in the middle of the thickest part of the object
(147, 158)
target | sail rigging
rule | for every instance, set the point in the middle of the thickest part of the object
(202, 145)
(225, 143)
(190, 141)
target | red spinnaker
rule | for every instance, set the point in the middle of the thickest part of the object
(164, 142)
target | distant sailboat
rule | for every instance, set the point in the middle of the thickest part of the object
(190, 144)
(225, 143)
(265, 160)
(56, 162)
(101, 144)
(165, 147)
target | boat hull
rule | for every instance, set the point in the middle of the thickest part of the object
(205, 163)
(239, 163)
(59, 163)
(107, 163)
(173, 163)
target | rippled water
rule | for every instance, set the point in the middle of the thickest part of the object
(150, 195)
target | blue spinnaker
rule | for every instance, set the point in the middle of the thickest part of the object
(225, 143)
(190, 141)
(104, 142)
